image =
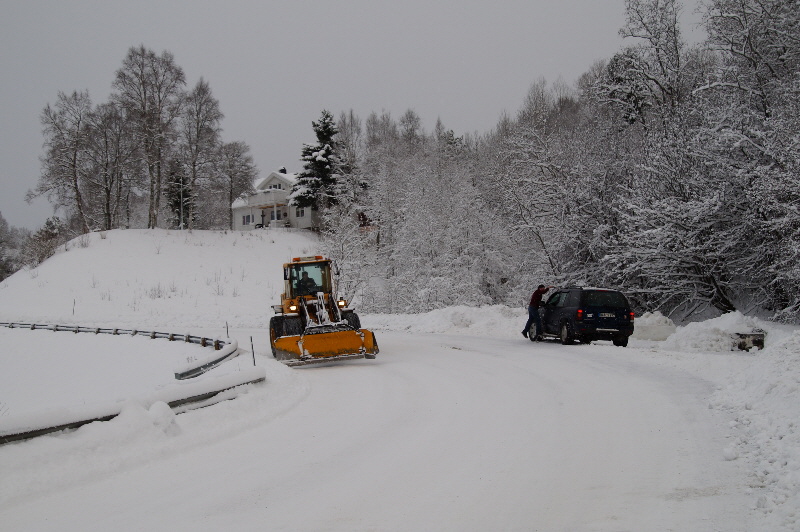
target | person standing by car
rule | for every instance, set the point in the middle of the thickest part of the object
(533, 311)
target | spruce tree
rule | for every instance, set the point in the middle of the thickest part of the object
(316, 184)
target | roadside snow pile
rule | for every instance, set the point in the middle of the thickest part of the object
(49, 379)
(497, 321)
(653, 326)
(764, 403)
(493, 320)
(712, 335)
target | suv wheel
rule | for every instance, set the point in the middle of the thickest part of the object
(566, 333)
(621, 341)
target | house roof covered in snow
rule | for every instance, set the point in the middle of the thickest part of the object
(263, 183)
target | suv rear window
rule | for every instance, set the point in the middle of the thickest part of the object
(595, 298)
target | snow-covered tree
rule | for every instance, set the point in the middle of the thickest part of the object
(150, 88)
(316, 184)
(114, 168)
(236, 173)
(199, 132)
(179, 196)
(65, 163)
(44, 242)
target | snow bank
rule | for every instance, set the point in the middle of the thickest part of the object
(763, 402)
(494, 320)
(653, 326)
(712, 335)
(51, 379)
(761, 397)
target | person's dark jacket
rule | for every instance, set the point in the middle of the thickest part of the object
(536, 298)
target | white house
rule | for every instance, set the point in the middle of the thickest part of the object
(268, 207)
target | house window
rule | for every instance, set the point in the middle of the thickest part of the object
(279, 186)
(300, 212)
(246, 219)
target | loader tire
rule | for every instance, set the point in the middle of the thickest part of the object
(275, 331)
(352, 320)
(292, 327)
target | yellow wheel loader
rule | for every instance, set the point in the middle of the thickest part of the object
(311, 324)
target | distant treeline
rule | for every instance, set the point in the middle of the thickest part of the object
(151, 156)
(668, 171)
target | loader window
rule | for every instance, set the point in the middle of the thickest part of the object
(308, 279)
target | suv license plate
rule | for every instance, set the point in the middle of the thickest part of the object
(607, 315)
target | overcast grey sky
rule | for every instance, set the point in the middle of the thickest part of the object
(274, 65)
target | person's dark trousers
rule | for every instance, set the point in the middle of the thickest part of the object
(533, 317)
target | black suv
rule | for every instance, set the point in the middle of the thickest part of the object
(587, 314)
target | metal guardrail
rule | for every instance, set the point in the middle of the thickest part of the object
(172, 337)
(228, 348)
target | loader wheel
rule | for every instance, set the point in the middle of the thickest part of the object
(352, 320)
(292, 327)
(566, 333)
(275, 331)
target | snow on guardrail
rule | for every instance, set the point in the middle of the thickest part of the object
(224, 350)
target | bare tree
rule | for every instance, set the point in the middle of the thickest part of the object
(150, 89)
(199, 131)
(235, 172)
(113, 171)
(65, 162)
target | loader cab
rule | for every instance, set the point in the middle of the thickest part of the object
(305, 278)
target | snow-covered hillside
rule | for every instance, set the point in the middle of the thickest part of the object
(157, 278)
(460, 424)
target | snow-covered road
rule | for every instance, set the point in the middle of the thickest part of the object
(439, 433)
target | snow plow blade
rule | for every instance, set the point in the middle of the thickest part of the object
(328, 346)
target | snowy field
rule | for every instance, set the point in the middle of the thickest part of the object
(459, 424)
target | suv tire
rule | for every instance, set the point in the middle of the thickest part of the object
(621, 341)
(566, 333)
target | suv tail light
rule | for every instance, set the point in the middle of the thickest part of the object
(579, 315)
(631, 314)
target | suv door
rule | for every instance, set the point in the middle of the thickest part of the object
(553, 309)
